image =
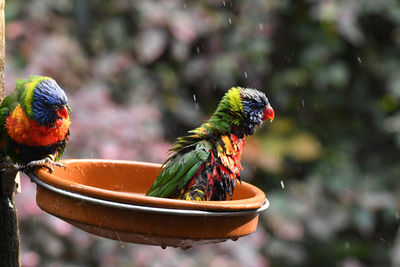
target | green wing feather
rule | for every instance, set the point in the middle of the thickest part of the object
(7, 105)
(178, 171)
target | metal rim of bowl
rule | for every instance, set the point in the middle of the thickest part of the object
(113, 204)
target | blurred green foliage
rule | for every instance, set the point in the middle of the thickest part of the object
(329, 163)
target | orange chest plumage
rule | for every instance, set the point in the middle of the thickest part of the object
(231, 154)
(28, 132)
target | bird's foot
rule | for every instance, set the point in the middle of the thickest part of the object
(47, 163)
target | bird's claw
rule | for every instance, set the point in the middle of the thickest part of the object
(49, 168)
(45, 163)
(58, 164)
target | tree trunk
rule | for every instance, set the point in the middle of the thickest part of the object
(9, 234)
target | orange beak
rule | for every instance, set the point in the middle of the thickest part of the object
(269, 113)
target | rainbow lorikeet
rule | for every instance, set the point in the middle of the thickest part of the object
(34, 124)
(205, 164)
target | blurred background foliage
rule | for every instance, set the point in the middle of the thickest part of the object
(140, 73)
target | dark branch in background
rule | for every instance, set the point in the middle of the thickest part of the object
(9, 234)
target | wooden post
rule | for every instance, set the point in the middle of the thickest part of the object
(2, 48)
(9, 234)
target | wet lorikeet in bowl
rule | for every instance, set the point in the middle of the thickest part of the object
(205, 164)
(34, 124)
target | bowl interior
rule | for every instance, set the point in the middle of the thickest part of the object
(128, 181)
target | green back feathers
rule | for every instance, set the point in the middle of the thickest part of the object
(7, 105)
(10, 102)
(25, 90)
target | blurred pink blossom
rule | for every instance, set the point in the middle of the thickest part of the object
(30, 259)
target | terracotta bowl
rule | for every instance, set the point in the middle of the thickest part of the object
(106, 198)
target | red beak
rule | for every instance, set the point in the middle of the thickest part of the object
(63, 112)
(269, 113)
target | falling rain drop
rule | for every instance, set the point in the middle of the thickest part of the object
(302, 103)
(196, 105)
(184, 5)
(282, 185)
(229, 20)
(197, 49)
(359, 60)
(245, 74)
(347, 245)
(261, 26)
(223, 2)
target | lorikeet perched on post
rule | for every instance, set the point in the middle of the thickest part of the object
(205, 164)
(34, 123)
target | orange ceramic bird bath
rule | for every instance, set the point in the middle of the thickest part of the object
(106, 198)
